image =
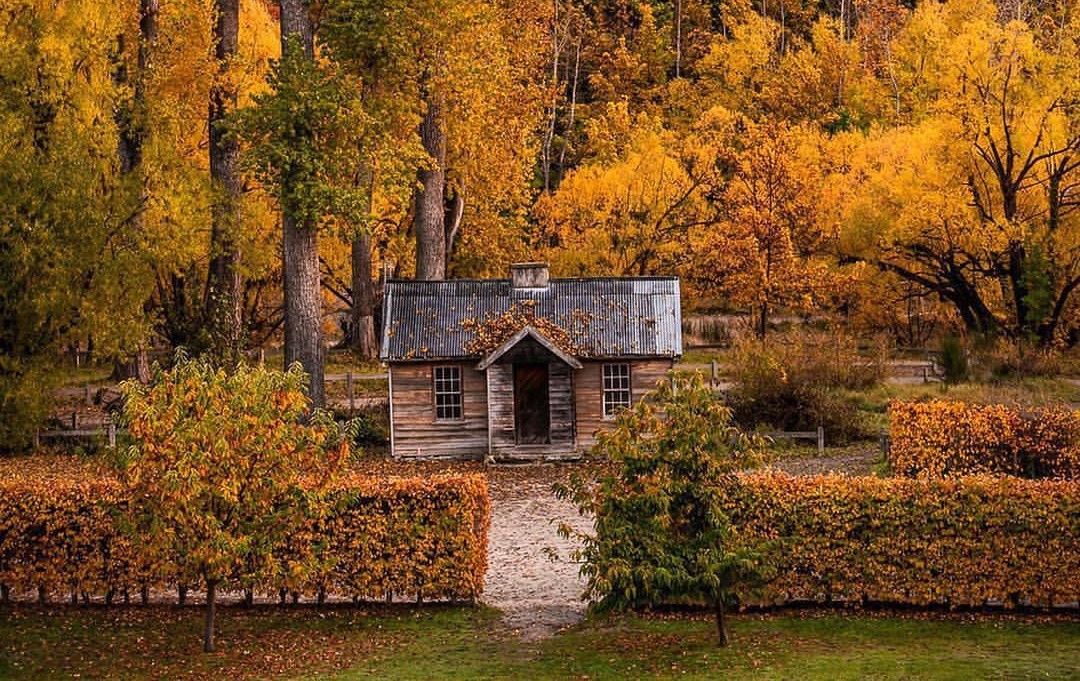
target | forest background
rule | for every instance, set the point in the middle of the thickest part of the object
(221, 175)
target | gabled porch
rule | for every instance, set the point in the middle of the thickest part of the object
(530, 399)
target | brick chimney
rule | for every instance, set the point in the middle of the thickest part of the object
(529, 275)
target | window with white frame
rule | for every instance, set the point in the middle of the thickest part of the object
(447, 393)
(616, 388)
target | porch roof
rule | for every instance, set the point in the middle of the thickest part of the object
(528, 332)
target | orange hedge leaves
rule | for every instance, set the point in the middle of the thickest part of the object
(955, 541)
(954, 438)
(414, 537)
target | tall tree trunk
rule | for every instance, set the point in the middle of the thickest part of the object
(296, 23)
(721, 622)
(303, 304)
(131, 121)
(455, 208)
(362, 339)
(363, 298)
(211, 607)
(222, 305)
(429, 218)
(300, 248)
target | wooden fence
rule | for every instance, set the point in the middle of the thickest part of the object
(107, 429)
(817, 436)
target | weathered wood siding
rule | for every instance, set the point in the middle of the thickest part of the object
(575, 404)
(561, 400)
(416, 432)
(501, 406)
(589, 393)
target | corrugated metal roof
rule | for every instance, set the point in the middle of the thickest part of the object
(607, 317)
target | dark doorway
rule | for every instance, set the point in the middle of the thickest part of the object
(532, 418)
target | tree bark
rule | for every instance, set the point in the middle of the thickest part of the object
(303, 304)
(222, 304)
(429, 215)
(455, 208)
(721, 622)
(363, 298)
(300, 250)
(296, 22)
(137, 367)
(211, 607)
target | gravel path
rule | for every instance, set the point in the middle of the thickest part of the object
(530, 577)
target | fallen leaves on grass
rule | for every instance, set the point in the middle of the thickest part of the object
(164, 642)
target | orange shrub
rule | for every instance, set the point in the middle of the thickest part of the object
(954, 541)
(954, 438)
(409, 536)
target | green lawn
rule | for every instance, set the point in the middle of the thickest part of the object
(347, 643)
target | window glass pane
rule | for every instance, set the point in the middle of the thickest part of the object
(448, 399)
(616, 388)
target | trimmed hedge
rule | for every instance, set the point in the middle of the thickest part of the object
(416, 537)
(942, 438)
(951, 541)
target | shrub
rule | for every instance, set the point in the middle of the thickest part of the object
(953, 438)
(800, 382)
(416, 537)
(956, 542)
(1017, 359)
(660, 532)
(954, 361)
(27, 390)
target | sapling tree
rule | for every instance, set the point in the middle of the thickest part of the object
(226, 466)
(661, 534)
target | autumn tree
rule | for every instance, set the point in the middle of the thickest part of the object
(226, 467)
(72, 256)
(661, 534)
(636, 209)
(977, 203)
(767, 251)
(373, 43)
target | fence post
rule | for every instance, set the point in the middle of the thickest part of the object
(74, 420)
(37, 439)
(715, 375)
(349, 388)
(89, 401)
(111, 429)
(262, 356)
(820, 440)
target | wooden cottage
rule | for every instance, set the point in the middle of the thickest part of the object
(521, 368)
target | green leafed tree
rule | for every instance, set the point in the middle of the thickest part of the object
(226, 466)
(661, 534)
(302, 146)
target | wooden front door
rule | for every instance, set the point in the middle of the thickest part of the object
(532, 417)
